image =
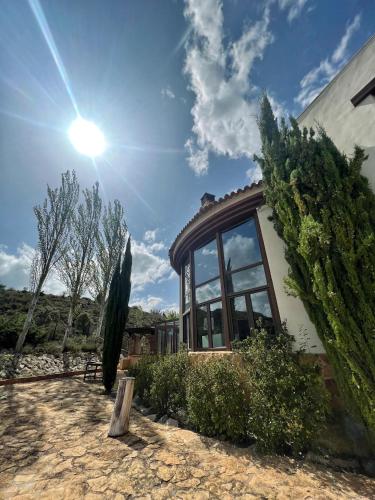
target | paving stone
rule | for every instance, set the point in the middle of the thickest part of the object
(56, 447)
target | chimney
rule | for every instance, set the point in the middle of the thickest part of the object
(207, 199)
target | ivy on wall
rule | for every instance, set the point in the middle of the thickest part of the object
(324, 210)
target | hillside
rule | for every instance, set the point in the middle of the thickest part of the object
(50, 317)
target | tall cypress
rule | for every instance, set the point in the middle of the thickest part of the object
(324, 210)
(116, 317)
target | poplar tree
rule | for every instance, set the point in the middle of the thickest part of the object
(74, 267)
(116, 316)
(324, 210)
(110, 244)
(53, 221)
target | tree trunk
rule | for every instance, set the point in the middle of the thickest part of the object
(26, 326)
(69, 326)
(121, 412)
(99, 327)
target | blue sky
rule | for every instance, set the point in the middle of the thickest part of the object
(174, 86)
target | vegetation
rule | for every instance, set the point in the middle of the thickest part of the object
(324, 210)
(74, 266)
(167, 391)
(110, 244)
(262, 391)
(218, 398)
(48, 326)
(116, 316)
(288, 401)
(53, 220)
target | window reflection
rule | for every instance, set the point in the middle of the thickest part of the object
(241, 246)
(169, 346)
(216, 314)
(202, 327)
(241, 327)
(186, 330)
(246, 279)
(187, 278)
(206, 264)
(261, 309)
(208, 291)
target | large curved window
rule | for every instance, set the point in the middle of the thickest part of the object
(226, 292)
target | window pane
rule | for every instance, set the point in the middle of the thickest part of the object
(217, 324)
(208, 291)
(241, 246)
(241, 327)
(206, 263)
(186, 330)
(248, 278)
(169, 346)
(186, 278)
(202, 327)
(161, 340)
(261, 308)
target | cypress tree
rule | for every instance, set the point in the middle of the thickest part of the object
(116, 316)
(324, 210)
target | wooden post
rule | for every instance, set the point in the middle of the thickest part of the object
(121, 412)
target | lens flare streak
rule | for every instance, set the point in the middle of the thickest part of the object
(43, 25)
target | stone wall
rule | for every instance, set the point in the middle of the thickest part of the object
(29, 365)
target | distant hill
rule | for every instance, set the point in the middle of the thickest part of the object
(51, 315)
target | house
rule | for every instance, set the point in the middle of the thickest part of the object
(228, 256)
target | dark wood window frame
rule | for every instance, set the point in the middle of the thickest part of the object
(225, 296)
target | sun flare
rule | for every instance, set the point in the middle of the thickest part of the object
(87, 138)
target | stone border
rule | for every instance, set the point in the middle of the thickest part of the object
(37, 378)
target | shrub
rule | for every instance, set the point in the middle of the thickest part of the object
(288, 400)
(143, 372)
(168, 385)
(91, 345)
(83, 324)
(218, 398)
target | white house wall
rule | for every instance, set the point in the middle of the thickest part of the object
(290, 308)
(345, 124)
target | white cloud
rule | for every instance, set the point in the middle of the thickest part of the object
(294, 7)
(226, 103)
(254, 174)
(167, 92)
(316, 79)
(147, 303)
(150, 302)
(15, 270)
(147, 268)
(150, 235)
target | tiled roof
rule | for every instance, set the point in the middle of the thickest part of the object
(208, 207)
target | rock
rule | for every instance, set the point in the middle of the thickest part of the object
(152, 417)
(171, 422)
(351, 464)
(368, 465)
(164, 473)
(145, 411)
(163, 419)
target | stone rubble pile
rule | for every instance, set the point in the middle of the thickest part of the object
(30, 365)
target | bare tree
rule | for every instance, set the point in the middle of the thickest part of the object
(74, 267)
(53, 221)
(110, 244)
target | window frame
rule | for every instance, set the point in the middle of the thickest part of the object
(226, 296)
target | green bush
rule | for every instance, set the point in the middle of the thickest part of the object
(218, 398)
(51, 347)
(83, 324)
(288, 401)
(143, 373)
(168, 386)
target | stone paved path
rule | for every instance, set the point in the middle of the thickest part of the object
(54, 444)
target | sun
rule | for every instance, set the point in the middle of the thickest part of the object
(87, 138)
